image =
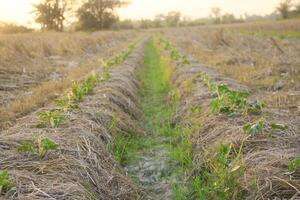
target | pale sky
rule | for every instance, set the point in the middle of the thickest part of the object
(19, 10)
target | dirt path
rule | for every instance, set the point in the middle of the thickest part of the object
(149, 160)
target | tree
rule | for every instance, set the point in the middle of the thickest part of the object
(159, 20)
(216, 14)
(284, 8)
(98, 14)
(228, 18)
(173, 18)
(51, 14)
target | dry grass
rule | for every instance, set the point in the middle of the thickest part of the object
(27, 58)
(264, 62)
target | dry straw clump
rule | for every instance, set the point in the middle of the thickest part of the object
(83, 166)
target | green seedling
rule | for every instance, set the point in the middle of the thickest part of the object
(38, 145)
(255, 107)
(51, 119)
(279, 126)
(79, 90)
(67, 104)
(119, 58)
(185, 61)
(5, 182)
(254, 128)
(294, 164)
(175, 55)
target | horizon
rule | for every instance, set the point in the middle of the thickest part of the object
(146, 9)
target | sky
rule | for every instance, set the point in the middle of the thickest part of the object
(18, 11)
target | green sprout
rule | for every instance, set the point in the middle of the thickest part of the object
(254, 128)
(5, 182)
(51, 119)
(294, 164)
(38, 145)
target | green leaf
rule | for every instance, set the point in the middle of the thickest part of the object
(5, 182)
(26, 147)
(254, 128)
(48, 144)
(279, 126)
(294, 164)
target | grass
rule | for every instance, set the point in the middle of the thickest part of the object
(5, 183)
(126, 146)
(219, 177)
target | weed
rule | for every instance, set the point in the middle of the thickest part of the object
(38, 145)
(122, 147)
(51, 119)
(218, 179)
(179, 192)
(181, 153)
(5, 182)
(294, 164)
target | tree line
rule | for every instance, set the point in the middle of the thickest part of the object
(89, 14)
(55, 15)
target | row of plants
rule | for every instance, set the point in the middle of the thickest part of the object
(219, 175)
(39, 145)
(174, 52)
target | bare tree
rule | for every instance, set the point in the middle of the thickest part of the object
(98, 14)
(284, 8)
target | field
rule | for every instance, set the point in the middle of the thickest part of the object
(208, 112)
(36, 68)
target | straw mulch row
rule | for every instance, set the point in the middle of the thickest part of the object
(265, 156)
(83, 166)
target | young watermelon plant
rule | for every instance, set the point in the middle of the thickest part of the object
(258, 126)
(52, 119)
(255, 128)
(38, 145)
